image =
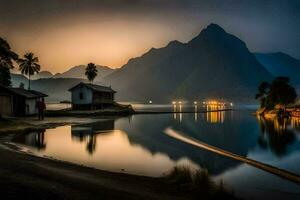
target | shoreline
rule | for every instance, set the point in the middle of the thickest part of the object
(29, 176)
(15, 125)
(83, 117)
(118, 113)
(178, 112)
(54, 179)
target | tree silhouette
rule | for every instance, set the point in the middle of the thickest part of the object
(91, 72)
(281, 92)
(278, 92)
(262, 93)
(7, 56)
(29, 65)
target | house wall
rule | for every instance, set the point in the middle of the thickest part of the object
(30, 107)
(86, 93)
(103, 97)
(19, 105)
(5, 105)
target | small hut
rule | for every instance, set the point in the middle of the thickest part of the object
(18, 102)
(87, 96)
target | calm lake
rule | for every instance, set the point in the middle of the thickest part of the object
(139, 145)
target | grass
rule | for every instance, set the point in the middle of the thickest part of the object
(198, 183)
(8, 125)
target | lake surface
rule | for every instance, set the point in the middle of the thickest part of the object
(139, 145)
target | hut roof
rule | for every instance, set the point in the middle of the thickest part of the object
(98, 88)
(31, 94)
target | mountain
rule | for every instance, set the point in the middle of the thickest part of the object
(56, 94)
(215, 64)
(49, 86)
(47, 83)
(78, 72)
(42, 74)
(281, 64)
(17, 79)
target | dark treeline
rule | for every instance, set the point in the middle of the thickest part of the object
(278, 92)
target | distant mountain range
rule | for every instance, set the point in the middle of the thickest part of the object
(78, 72)
(42, 74)
(281, 64)
(47, 83)
(214, 64)
(57, 89)
(73, 72)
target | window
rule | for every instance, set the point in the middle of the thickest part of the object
(81, 95)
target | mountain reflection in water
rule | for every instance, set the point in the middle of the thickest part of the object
(236, 132)
(138, 145)
(99, 146)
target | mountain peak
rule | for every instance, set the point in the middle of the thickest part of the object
(174, 43)
(213, 29)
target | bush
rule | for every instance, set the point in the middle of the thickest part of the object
(278, 92)
(201, 185)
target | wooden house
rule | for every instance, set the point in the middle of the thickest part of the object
(18, 102)
(87, 96)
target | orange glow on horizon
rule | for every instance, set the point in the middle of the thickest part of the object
(104, 40)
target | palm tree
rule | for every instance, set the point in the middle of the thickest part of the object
(262, 94)
(91, 71)
(29, 65)
(7, 56)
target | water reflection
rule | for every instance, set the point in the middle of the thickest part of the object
(213, 116)
(234, 133)
(177, 112)
(196, 112)
(88, 133)
(276, 135)
(295, 123)
(99, 146)
(138, 144)
(35, 139)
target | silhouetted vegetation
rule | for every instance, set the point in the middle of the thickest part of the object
(279, 91)
(29, 65)
(7, 56)
(181, 174)
(198, 183)
(91, 72)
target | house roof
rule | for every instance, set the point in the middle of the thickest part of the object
(31, 94)
(98, 88)
(39, 94)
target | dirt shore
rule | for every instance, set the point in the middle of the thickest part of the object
(31, 123)
(24, 176)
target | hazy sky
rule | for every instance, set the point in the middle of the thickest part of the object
(109, 32)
